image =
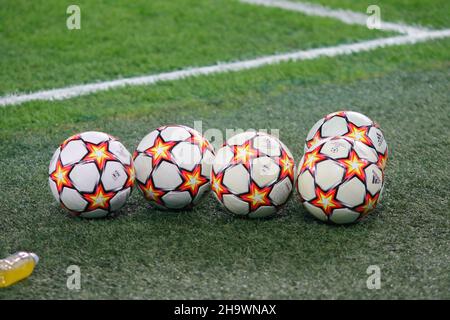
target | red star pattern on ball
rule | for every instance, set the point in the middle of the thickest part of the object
(315, 140)
(151, 192)
(311, 158)
(369, 204)
(98, 153)
(217, 184)
(244, 153)
(131, 172)
(61, 176)
(72, 138)
(257, 197)
(201, 142)
(326, 200)
(192, 180)
(354, 166)
(160, 151)
(287, 166)
(99, 199)
(382, 159)
(336, 114)
(359, 134)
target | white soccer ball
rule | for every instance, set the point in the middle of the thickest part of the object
(253, 175)
(353, 125)
(91, 174)
(173, 165)
(339, 180)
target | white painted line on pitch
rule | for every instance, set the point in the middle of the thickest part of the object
(345, 49)
(346, 16)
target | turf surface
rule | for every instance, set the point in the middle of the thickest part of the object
(142, 37)
(431, 14)
(204, 253)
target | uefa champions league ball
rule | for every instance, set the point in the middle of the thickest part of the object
(253, 175)
(173, 165)
(91, 174)
(339, 180)
(353, 125)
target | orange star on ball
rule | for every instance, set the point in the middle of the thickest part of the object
(160, 151)
(99, 199)
(98, 153)
(257, 197)
(326, 200)
(192, 181)
(61, 176)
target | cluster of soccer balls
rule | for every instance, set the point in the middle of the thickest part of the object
(339, 178)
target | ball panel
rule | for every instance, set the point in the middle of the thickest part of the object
(328, 174)
(223, 158)
(119, 200)
(166, 176)
(286, 149)
(143, 167)
(374, 179)
(380, 195)
(351, 193)
(148, 141)
(94, 137)
(336, 148)
(267, 145)
(300, 165)
(236, 179)
(121, 153)
(344, 216)
(365, 152)
(73, 200)
(263, 212)
(177, 199)
(378, 140)
(336, 126)
(316, 212)
(174, 133)
(54, 160)
(202, 191)
(264, 171)
(305, 185)
(114, 176)
(85, 177)
(358, 119)
(207, 162)
(241, 138)
(186, 155)
(235, 205)
(73, 152)
(281, 191)
(314, 129)
(54, 189)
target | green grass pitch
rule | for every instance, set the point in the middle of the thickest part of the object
(205, 253)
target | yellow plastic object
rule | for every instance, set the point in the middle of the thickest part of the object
(17, 267)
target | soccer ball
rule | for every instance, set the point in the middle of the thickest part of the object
(91, 174)
(353, 125)
(173, 165)
(339, 180)
(253, 175)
